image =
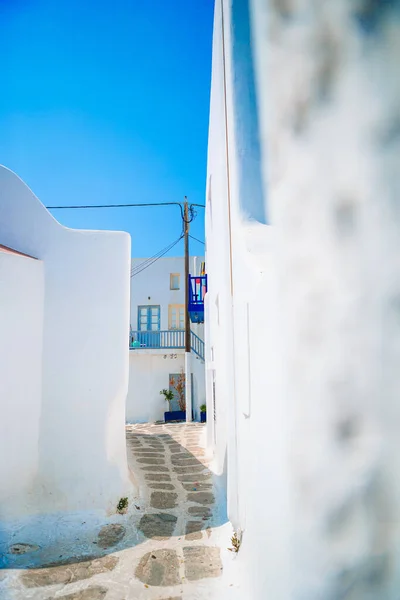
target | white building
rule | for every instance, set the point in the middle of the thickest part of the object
(64, 362)
(157, 339)
(302, 311)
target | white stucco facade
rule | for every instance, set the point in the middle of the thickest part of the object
(302, 335)
(21, 327)
(150, 368)
(64, 317)
(152, 285)
(149, 373)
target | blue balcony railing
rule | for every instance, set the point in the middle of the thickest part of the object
(197, 345)
(168, 339)
(197, 291)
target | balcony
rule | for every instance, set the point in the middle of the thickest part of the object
(165, 340)
(197, 291)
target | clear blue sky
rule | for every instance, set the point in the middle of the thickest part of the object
(105, 102)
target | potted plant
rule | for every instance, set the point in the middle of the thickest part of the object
(168, 395)
(179, 385)
(203, 413)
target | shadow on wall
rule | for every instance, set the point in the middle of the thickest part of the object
(251, 195)
(172, 482)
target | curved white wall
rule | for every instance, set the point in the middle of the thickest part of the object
(82, 458)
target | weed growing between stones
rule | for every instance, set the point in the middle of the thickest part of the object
(122, 505)
(235, 541)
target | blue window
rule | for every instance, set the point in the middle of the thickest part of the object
(148, 318)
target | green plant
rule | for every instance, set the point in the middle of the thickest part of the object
(122, 505)
(235, 541)
(168, 395)
(179, 385)
(203, 408)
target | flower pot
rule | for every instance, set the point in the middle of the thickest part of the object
(203, 417)
(175, 415)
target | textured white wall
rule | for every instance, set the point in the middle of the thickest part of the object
(154, 282)
(314, 436)
(148, 374)
(21, 332)
(199, 390)
(85, 361)
(218, 307)
(333, 147)
(241, 327)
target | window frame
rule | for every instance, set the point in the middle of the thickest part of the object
(171, 278)
(177, 307)
(148, 308)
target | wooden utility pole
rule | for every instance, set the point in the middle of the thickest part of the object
(186, 236)
(188, 368)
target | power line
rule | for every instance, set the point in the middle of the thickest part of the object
(150, 259)
(157, 258)
(140, 205)
(122, 205)
(197, 240)
(156, 255)
(180, 205)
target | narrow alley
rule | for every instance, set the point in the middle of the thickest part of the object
(170, 543)
(181, 511)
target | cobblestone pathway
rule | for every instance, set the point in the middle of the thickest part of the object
(177, 488)
(167, 545)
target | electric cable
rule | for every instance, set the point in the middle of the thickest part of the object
(160, 255)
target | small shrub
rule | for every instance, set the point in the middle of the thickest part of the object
(122, 505)
(235, 541)
(203, 408)
(179, 385)
(168, 395)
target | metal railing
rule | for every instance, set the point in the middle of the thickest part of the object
(174, 338)
(167, 339)
(197, 345)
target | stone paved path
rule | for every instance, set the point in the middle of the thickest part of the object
(177, 489)
(167, 546)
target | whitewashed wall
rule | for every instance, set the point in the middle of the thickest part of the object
(152, 286)
(218, 304)
(21, 333)
(313, 441)
(148, 374)
(199, 389)
(333, 144)
(237, 257)
(85, 361)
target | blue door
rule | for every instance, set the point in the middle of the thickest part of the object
(149, 326)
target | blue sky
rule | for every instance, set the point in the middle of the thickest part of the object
(106, 102)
